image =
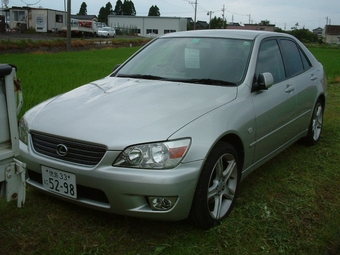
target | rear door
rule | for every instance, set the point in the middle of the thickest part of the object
(305, 77)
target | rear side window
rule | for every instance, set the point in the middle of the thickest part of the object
(295, 60)
(305, 61)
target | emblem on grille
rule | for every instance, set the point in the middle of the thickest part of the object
(62, 150)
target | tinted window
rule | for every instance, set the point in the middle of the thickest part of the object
(305, 61)
(270, 60)
(292, 57)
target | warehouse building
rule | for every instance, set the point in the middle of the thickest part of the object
(151, 26)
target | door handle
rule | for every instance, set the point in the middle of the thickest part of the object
(313, 77)
(289, 88)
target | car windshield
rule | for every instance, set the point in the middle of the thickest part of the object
(214, 61)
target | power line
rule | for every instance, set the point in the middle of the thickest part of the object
(237, 13)
(30, 4)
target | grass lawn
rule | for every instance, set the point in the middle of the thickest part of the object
(290, 205)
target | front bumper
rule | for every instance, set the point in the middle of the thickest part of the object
(122, 191)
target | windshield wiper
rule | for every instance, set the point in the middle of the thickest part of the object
(141, 76)
(201, 81)
(209, 82)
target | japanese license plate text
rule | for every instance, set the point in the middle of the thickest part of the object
(60, 182)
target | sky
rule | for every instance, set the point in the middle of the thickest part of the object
(285, 14)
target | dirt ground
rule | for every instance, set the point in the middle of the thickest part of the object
(102, 43)
(41, 36)
(34, 37)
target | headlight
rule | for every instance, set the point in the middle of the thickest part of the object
(23, 131)
(161, 155)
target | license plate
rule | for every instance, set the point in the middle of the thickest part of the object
(58, 181)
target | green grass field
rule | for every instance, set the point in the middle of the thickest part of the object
(291, 205)
(44, 75)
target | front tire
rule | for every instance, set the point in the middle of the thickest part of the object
(217, 186)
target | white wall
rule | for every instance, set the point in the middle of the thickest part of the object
(152, 26)
(49, 17)
(42, 20)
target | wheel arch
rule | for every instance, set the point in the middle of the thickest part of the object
(197, 215)
(237, 143)
(322, 98)
(309, 139)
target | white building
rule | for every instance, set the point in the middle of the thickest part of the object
(40, 19)
(331, 33)
(148, 25)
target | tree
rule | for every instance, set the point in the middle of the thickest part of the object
(296, 26)
(128, 8)
(264, 23)
(118, 8)
(154, 11)
(102, 15)
(304, 35)
(104, 12)
(216, 23)
(83, 9)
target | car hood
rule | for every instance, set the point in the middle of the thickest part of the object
(118, 112)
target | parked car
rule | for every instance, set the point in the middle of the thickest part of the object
(151, 35)
(173, 130)
(100, 24)
(106, 32)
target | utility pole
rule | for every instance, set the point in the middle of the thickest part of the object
(195, 14)
(68, 22)
(223, 11)
(195, 7)
(209, 13)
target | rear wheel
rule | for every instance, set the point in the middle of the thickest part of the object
(315, 126)
(217, 186)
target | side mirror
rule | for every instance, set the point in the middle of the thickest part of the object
(263, 82)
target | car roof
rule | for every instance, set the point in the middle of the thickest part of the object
(224, 33)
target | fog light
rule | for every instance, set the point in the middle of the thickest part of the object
(162, 203)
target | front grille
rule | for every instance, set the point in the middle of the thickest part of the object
(77, 152)
(82, 191)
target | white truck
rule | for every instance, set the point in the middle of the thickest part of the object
(12, 171)
(82, 28)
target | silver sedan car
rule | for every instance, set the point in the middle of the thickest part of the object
(173, 130)
(106, 32)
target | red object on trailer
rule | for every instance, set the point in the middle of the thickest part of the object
(82, 28)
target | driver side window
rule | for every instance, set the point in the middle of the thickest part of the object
(270, 60)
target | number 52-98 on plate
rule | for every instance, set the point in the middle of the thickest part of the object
(59, 182)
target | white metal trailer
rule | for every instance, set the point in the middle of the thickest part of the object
(12, 171)
(80, 28)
